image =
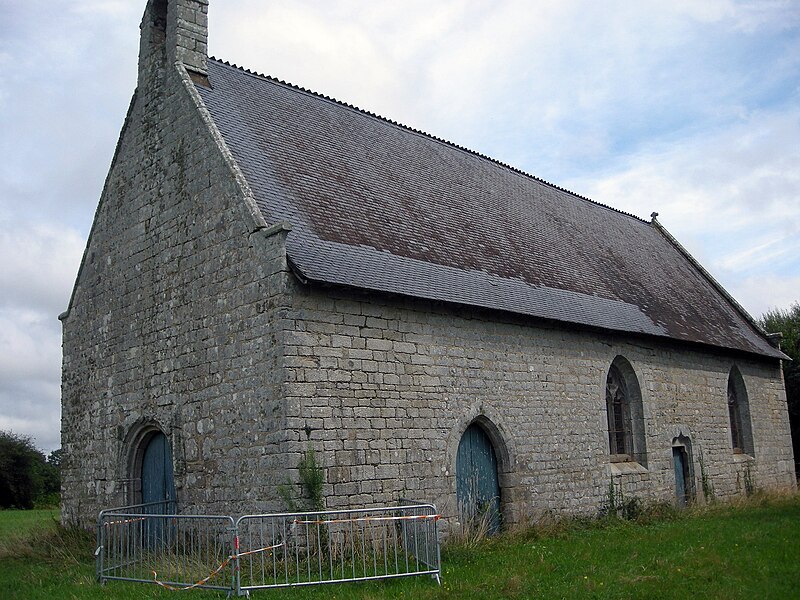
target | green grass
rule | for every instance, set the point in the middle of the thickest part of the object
(24, 521)
(748, 551)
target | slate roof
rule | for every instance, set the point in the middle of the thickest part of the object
(379, 206)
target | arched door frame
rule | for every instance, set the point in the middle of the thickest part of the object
(496, 435)
(138, 439)
(503, 454)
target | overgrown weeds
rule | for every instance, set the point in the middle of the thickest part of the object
(705, 481)
(749, 483)
(470, 532)
(51, 542)
(312, 479)
(550, 525)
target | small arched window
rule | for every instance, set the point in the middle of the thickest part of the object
(626, 437)
(619, 414)
(739, 414)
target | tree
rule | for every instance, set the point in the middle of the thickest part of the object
(19, 483)
(25, 475)
(54, 458)
(51, 478)
(787, 322)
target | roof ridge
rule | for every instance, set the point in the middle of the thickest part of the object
(368, 113)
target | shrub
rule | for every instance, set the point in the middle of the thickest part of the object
(25, 475)
(312, 478)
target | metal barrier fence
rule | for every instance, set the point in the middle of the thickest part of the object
(281, 550)
(149, 544)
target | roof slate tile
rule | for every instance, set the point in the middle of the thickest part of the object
(379, 206)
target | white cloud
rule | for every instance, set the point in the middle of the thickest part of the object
(107, 9)
(783, 292)
(337, 56)
(717, 181)
(30, 346)
(38, 268)
(772, 15)
(553, 86)
(760, 253)
(30, 374)
(32, 408)
(65, 85)
(39, 265)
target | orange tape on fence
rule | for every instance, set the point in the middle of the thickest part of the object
(353, 520)
(261, 549)
(216, 571)
(136, 520)
(197, 584)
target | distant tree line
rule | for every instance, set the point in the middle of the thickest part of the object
(27, 477)
(787, 322)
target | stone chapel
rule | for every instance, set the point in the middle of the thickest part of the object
(270, 269)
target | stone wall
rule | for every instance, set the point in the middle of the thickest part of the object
(386, 387)
(174, 320)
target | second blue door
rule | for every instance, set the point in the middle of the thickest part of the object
(477, 485)
(680, 463)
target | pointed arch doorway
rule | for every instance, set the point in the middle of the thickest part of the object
(477, 482)
(684, 472)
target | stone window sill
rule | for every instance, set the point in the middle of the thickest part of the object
(626, 467)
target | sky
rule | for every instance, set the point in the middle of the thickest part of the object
(687, 108)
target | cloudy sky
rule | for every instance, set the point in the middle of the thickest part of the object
(688, 108)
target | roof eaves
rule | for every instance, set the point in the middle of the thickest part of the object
(308, 280)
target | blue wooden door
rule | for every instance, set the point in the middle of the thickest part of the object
(158, 487)
(477, 485)
(681, 475)
(158, 484)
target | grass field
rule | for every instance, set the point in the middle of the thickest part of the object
(748, 551)
(23, 522)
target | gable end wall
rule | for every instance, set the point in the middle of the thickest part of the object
(175, 321)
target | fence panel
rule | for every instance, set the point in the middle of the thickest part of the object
(152, 544)
(294, 549)
(417, 538)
